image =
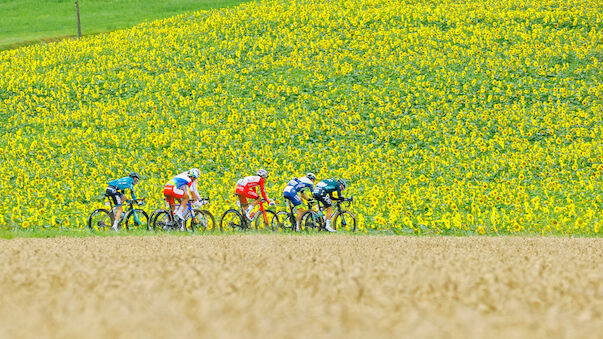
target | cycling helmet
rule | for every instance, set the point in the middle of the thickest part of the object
(194, 173)
(263, 173)
(311, 176)
(134, 175)
(342, 183)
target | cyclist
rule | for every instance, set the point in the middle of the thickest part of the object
(182, 187)
(246, 188)
(323, 192)
(116, 189)
(295, 186)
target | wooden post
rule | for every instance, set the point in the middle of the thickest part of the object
(77, 14)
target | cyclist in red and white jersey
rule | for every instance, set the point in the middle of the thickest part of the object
(246, 188)
(182, 187)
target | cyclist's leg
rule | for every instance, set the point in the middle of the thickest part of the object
(171, 192)
(117, 198)
(183, 205)
(256, 200)
(167, 194)
(324, 198)
(240, 193)
(296, 202)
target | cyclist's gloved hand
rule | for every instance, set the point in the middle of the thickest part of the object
(271, 203)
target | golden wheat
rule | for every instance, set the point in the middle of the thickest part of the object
(285, 287)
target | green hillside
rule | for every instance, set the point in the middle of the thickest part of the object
(31, 21)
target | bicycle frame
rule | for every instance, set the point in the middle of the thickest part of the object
(189, 212)
(291, 212)
(262, 210)
(337, 210)
(129, 206)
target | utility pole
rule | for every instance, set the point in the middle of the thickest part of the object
(77, 14)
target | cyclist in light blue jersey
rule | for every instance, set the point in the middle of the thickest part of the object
(295, 186)
(116, 190)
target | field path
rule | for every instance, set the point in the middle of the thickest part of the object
(292, 287)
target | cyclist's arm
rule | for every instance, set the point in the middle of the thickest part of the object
(306, 192)
(338, 197)
(304, 196)
(263, 190)
(195, 191)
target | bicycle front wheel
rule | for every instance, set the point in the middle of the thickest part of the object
(344, 221)
(205, 221)
(311, 222)
(232, 220)
(137, 219)
(266, 221)
(100, 220)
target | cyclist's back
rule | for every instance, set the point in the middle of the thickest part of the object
(251, 182)
(328, 186)
(180, 180)
(122, 183)
(296, 185)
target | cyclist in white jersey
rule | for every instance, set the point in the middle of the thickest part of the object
(295, 186)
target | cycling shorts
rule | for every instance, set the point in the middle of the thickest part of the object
(115, 195)
(170, 192)
(294, 198)
(323, 197)
(246, 193)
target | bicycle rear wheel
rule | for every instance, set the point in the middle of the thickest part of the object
(203, 221)
(311, 222)
(284, 221)
(232, 220)
(163, 221)
(344, 221)
(152, 217)
(100, 220)
(137, 219)
(267, 223)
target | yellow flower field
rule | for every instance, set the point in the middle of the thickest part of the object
(473, 117)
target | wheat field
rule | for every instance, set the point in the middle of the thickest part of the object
(290, 287)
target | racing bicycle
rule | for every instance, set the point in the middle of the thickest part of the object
(235, 219)
(132, 217)
(287, 220)
(314, 221)
(194, 219)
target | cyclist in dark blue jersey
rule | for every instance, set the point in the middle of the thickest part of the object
(295, 186)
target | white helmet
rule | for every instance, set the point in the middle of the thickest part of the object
(194, 173)
(263, 173)
(311, 176)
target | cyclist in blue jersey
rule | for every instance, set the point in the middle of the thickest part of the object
(116, 190)
(295, 186)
